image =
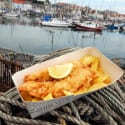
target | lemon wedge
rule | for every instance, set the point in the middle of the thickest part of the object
(60, 71)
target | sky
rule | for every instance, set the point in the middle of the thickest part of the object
(115, 5)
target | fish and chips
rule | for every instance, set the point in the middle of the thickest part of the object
(72, 78)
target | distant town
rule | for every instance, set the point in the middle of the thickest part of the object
(61, 10)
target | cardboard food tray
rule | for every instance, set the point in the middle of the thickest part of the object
(38, 108)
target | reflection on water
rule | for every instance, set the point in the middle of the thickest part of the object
(25, 35)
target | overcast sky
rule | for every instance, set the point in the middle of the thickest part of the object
(116, 5)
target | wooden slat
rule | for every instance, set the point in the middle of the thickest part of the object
(6, 68)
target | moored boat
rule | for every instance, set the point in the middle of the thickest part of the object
(54, 23)
(11, 14)
(112, 27)
(83, 27)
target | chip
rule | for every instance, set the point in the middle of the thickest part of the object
(95, 64)
(97, 86)
(48, 97)
(67, 93)
(87, 60)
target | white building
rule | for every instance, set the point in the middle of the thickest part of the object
(2, 4)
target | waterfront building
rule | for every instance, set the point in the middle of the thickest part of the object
(18, 4)
(2, 4)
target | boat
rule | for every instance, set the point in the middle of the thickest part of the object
(112, 27)
(54, 22)
(84, 27)
(11, 14)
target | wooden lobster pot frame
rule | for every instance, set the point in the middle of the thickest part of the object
(6, 69)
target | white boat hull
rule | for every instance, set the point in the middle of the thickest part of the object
(54, 23)
(10, 15)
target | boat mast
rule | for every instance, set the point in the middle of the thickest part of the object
(10, 4)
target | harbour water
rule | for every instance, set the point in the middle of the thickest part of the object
(26, 35)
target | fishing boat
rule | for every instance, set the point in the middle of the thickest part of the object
(85, 27)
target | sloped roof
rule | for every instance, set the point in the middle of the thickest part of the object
(19, 1)
(42, 0)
